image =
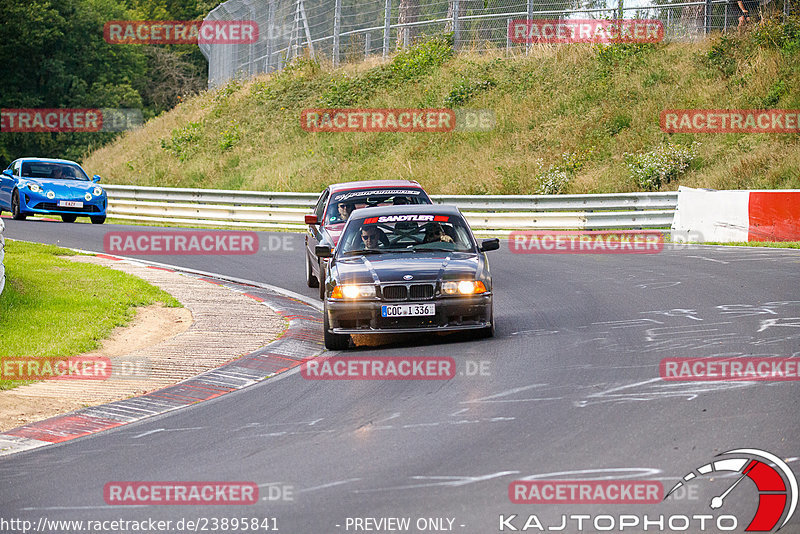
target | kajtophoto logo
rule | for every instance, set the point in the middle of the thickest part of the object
(776, 484)
(585, 31)
(775, 494)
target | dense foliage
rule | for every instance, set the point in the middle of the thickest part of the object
(54, 56)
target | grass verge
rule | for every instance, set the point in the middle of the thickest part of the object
(54, 308)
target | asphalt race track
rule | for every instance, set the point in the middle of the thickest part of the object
(570, 390)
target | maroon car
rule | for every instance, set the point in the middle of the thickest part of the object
(335, 205)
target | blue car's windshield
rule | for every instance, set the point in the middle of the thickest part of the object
(56, 171)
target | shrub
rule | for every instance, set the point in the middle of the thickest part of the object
(652, 169)
(464, 91)
(183, 141)
(230, 136)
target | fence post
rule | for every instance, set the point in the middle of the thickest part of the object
(530, 17)
(270, 35)
(508, 37)
(367, 43)
(337, 28)
(708, 17)
(387, 15)
(455, 25)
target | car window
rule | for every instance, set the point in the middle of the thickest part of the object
(408, 233)
(319, 210)
(344, 203)
(59, 171)
(16, 168)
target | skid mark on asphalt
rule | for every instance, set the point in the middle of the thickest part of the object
(443, 480)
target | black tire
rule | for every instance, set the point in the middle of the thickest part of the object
(311, 280)
(321, 281)
(69, 218)
(16, 214)
(333, 341)
(489, 330)
(98, 219)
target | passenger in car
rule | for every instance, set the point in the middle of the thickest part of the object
(434, 233)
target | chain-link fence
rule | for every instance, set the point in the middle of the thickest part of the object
(350, 30)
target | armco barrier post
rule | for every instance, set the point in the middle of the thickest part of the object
(2, 257)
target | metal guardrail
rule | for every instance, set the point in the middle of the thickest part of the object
(486, 213)
(2, 257)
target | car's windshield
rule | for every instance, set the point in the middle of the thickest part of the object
(407, 233)
(56, 171)
(344, 203)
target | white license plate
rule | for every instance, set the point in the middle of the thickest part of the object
(408, 310)
(69, 204)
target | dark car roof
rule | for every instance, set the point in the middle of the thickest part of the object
(411, 209)
(377, 184)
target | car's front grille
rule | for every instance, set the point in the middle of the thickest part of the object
(55, 207)
(421, 291)
(395, 292)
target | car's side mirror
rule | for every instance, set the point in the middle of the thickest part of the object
(96, 178)
(9, 173)
(490, 244)
(323, 251)
(311, 219)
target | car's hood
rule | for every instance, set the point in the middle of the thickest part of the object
(423, 267)
(76, 186)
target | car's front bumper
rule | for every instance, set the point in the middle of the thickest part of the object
(453, 313)
(31, 202)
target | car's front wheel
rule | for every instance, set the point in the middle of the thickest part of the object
(321, 281)
(311, 280)
(98, 219)
(69, 218)
(333, 341)
(16, 213)
(489, 330)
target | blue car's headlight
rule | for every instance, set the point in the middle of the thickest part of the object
(35, 188)
(88, 197)
(97, 191)
(51, 195)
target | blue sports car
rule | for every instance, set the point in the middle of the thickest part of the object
(51, 187)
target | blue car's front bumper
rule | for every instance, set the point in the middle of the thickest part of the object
(31, 202)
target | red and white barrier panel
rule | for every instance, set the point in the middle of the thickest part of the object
(728, 216)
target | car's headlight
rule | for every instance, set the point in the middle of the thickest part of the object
(464, 287)
(97, 191)
(51, 195)
(353, 291)
(35, 188)
(88, 197)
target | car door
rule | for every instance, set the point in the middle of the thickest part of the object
(314, 231)
(7, 185)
